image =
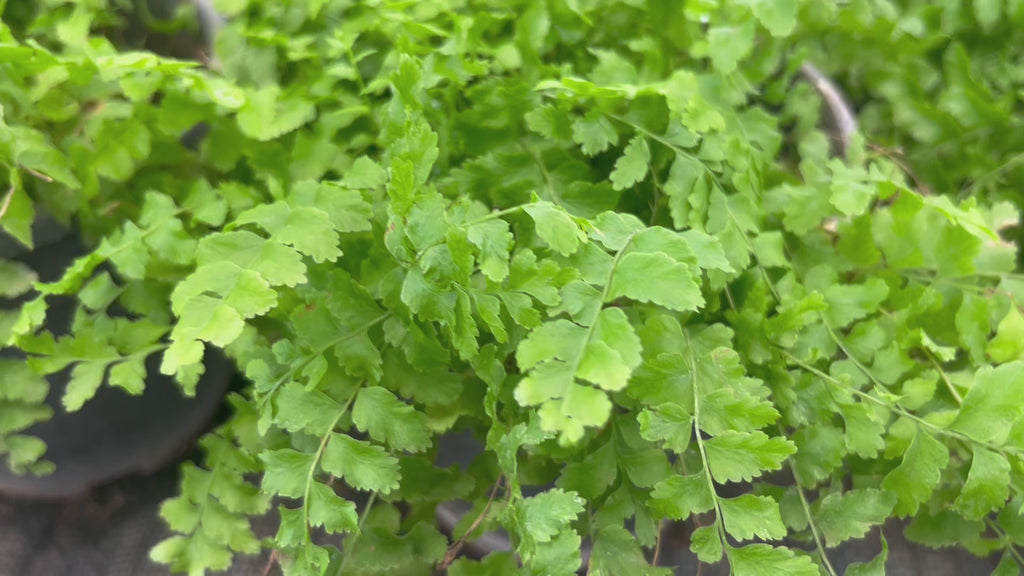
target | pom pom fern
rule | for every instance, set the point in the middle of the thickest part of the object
(593, 234)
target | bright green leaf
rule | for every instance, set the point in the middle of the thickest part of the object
(741, 456)
(656, 278)
(1008, 344)
(993, 403)
(286, 472)
(748, 516)
(844, 515)
(632, 166)
(728, 45)
(548, 513)
(555, 227)
(987, 486)
(679, 497)
(918, 474)
(388, 419)
(363, 465)
(764, 560)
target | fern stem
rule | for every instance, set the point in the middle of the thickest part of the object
(945, 377)
(810, 522)
(900, 411)
(312, 471)
(346, 553)
(1010, 548)
(692, 361)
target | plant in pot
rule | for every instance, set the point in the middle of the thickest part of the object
(938, 89)
(73, 149)
(630, 269)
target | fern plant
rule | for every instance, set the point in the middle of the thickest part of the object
(604, 237)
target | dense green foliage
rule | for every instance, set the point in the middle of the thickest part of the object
(607, 237)
(939, 87)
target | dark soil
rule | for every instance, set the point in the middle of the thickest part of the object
(108, 532)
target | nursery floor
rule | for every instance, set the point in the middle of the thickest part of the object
(109, 533)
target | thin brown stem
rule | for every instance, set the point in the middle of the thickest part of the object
(454, 549)
(897, 158)
(270, 563)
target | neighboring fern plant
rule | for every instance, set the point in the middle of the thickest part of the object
(938, 88)
(605, 237)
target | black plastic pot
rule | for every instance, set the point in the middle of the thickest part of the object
(114, 434)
